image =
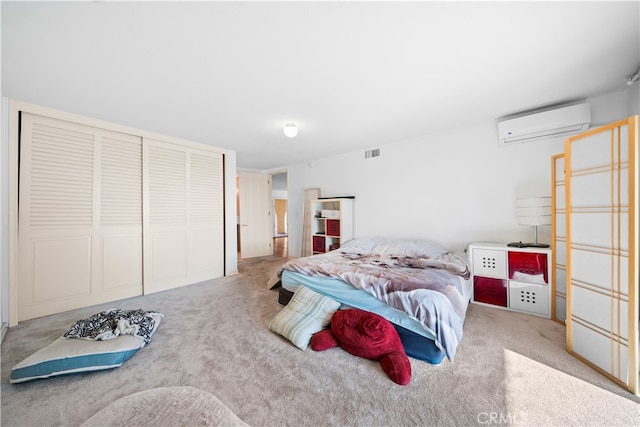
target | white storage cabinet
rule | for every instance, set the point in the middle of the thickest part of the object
(516, 279)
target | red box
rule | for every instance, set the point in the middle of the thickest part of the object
(490, 291)
(318, 244)
(333, 227)
(528, 263)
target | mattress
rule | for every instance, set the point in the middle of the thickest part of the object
(418, 342)
(352, 297)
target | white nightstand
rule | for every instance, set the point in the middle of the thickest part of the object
(517, 279)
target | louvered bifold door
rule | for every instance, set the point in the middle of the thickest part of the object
(602, 256)
(80, 216)
(183, 218)
(559, 239)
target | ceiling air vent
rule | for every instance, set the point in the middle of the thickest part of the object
(371, 153)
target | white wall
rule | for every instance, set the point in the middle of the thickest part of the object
(634, 99)
(454, 187)
(230, 214)
(4, 213)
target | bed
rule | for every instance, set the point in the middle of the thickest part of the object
(421, 287)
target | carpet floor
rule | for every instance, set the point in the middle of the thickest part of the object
(510, 369)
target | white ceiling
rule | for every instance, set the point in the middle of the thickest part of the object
(351, 75)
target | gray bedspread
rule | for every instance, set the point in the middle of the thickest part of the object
(427, 288)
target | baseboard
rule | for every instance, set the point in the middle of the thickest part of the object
(4, 332)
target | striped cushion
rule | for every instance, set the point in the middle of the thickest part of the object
(308, 312)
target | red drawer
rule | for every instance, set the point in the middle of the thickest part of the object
(528, 263)
(490, 290)
(318, 244)
(333, 227)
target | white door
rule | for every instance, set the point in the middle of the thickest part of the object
(256, 225)
(80, 216)
(183, 217)
(602, 250)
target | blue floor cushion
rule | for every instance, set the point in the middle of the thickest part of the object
(71, 355)
(81, 350)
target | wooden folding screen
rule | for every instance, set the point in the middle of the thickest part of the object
(559, 240)
(602, 250)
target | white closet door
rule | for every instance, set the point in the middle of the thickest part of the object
(184, 221)
(80, 216)
(559, 239)
(602, 267)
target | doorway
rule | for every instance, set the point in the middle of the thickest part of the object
(280, 222)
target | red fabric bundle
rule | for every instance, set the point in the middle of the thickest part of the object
(367, 335)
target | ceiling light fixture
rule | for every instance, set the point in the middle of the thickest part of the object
(290, 130)
(633, 78)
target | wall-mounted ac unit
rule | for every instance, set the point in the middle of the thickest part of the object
(546, 124)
